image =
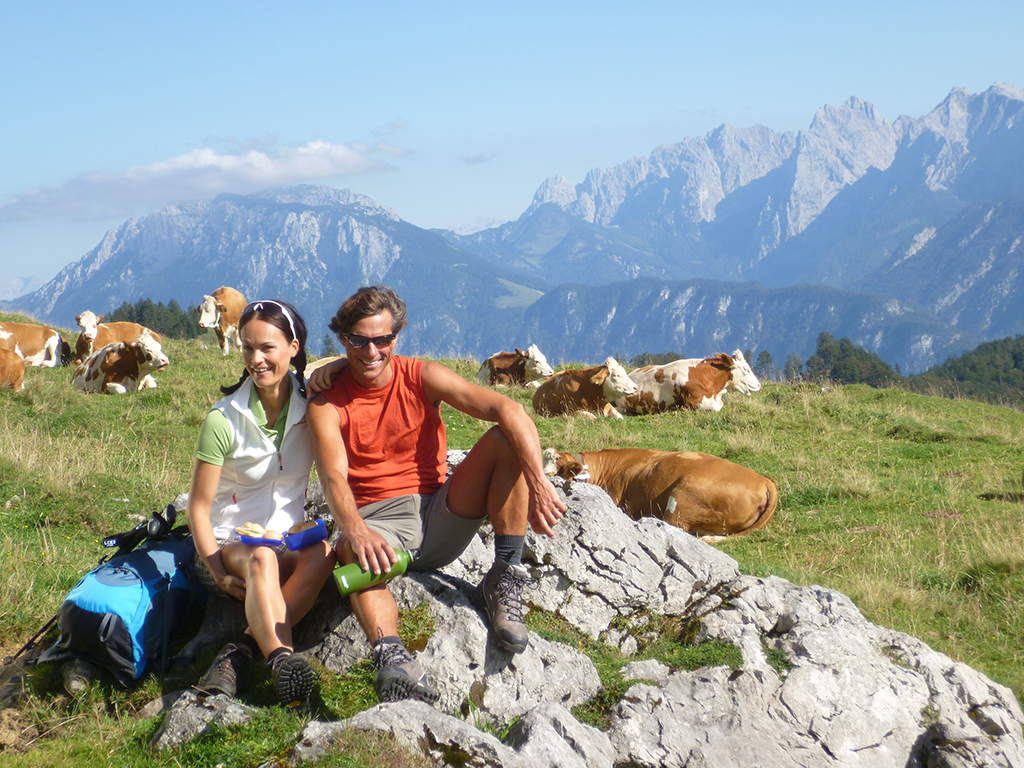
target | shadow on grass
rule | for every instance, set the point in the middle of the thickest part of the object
(1016, 498)
(995, 579)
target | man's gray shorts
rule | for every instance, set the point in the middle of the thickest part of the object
(423, 525)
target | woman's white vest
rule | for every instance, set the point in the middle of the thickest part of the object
(258, 483)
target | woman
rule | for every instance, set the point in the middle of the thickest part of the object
(252, 465)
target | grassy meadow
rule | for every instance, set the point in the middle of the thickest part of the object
(909, 504)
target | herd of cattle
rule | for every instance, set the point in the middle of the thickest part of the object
(109, 357)
(702, 494)
(698, 384)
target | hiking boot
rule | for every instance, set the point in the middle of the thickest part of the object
(227, 671)
(399, 676)
(78, 674)
(294, 680)
(500, 596)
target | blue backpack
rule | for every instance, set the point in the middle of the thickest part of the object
(121, 615)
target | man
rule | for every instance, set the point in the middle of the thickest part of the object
(380, 451)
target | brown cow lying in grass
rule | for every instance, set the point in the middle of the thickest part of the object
(696, 385)
(586, 391)
(37, 345)
(12, 370)
(119, 368)
(704, 495)
(521, 369)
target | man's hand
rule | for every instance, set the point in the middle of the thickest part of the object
(546, 508)
(371, 551)
(320, 380)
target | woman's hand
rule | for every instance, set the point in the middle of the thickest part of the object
(231, 585)
(228, 583)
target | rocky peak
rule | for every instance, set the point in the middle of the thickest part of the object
(745, 154)
(318, 196)
(962, 115)
(1007, 90)
(555, 189)
(844, 114)
(609, 189)
(973, 136)
(999, 108)
(950, 118)
(842, 143)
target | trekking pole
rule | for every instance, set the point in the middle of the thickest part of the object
(32, 641)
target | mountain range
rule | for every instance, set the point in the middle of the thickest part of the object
(904, 237)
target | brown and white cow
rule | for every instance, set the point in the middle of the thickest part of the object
(702, 494)
(517, 368)
(12, 370)
(119, 367)
(221, 312)
(587, 391)
(37, 345)
(95, 334)
(696, 385)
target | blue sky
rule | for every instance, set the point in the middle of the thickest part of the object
(450, 113)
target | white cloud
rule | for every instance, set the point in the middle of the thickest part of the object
(481, 158)
(392, 149)
(398, 124)
(201, 173)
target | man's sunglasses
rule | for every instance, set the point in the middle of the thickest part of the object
(359, 342)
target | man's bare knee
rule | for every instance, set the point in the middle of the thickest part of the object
(495, 446)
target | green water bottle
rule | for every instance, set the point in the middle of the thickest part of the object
(351, 578)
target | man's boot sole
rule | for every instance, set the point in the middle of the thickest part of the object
(401, 688)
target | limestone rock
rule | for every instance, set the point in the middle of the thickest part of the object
(548, 735)
(469, 671)
(818, 687)
(416, 726)
(192, 715)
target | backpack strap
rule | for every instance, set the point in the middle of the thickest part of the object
(157, 527)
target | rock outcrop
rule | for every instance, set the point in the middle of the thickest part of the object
(818, 685)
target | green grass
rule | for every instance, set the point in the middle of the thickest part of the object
(665, 639)
(909, 504)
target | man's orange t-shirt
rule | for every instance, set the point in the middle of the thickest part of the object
(394, 438)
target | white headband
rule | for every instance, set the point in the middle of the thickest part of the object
(257, 306)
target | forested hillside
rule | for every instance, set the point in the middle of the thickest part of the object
(169, 320)
(993, 372)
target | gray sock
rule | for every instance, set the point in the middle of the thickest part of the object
(509, 548)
